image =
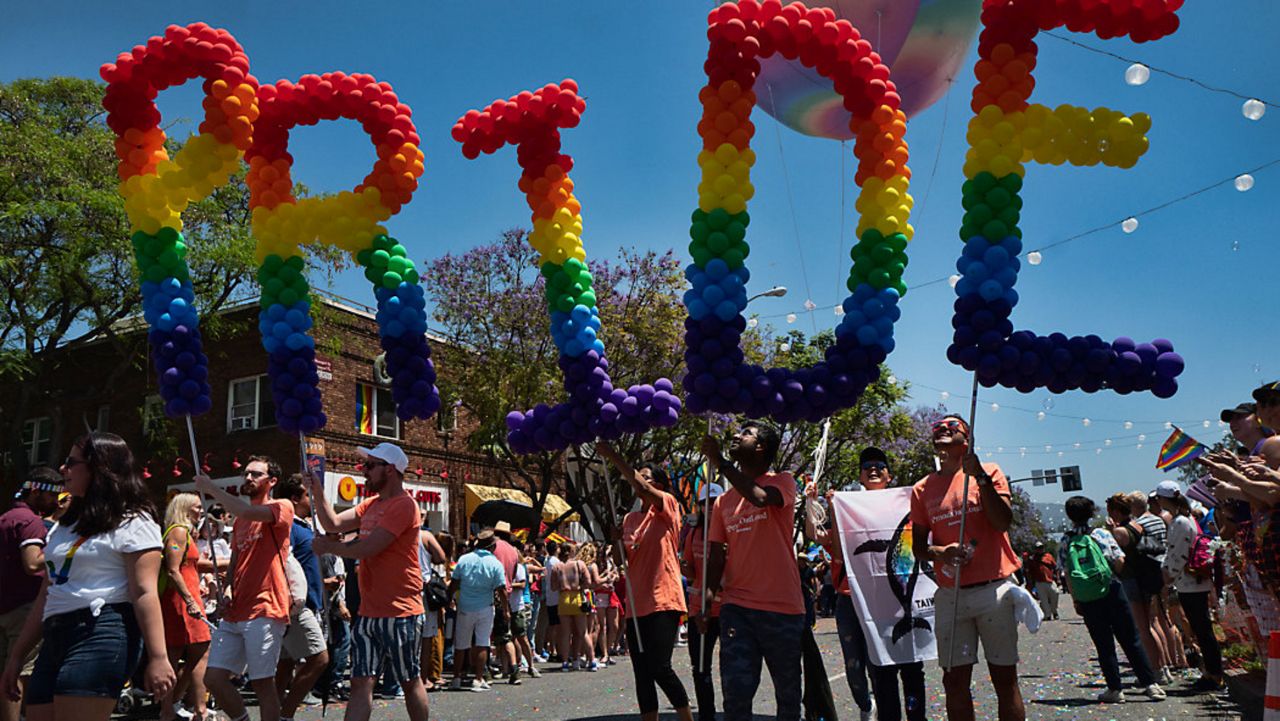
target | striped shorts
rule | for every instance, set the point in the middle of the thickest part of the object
(397, 641)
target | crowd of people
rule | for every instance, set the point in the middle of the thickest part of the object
(273, 590)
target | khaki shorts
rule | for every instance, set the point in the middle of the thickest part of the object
(305, 637)
(986, 613)
(11, 624)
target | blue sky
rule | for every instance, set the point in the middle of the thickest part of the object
(1178, 276)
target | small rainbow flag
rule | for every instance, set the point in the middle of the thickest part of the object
(364, 409)
(1179, 449)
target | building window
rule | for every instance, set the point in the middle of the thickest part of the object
(376, 412)
(447, 418)
(249, 404)
(37, 438)
(104, 418)
(153, 416)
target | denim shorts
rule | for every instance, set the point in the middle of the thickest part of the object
(86, 655)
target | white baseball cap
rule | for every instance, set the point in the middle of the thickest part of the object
(715, 489)
(388, 452)
(1167, 489)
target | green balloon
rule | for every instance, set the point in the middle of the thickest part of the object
(854, 281)
(396, 265)
(898, 242)
(364, 256)
(900, 287)
(391, 280)
(984, 181)
(879, 278)
(585, 279)
(564, 303)
(287, 297)
(718, 243)
(381, 242)
(273, 263)
(701, 256)
(862, 265)
(699, 232)
(1008, 215)
(273, 287)
(398, 251)
(995, 229)
(736, 231)
(1012, 182)
(411, 276)
(882, 254)
(744, 217)
(548, 269)
(373, 275)
(699, 216)
(718, 219)
(155, 274)
(168, 235)
(734, 258)
(744, 248)
(295, 262)
(998, 197)
(380, 258)
(588, 298)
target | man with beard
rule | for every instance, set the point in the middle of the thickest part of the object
(388, 624)
(753, 569)
(251, 632)
(981, 564)
(22, 536)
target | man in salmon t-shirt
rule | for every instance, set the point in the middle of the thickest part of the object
(983, 562)
(753, 570)
(251, 632)
(389, 624)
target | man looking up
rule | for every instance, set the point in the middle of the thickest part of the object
(753, 569)
(982, 608)
(251, 632)
(389, 622)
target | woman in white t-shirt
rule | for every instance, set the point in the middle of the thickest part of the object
(99, 605)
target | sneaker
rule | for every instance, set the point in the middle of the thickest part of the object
(311, 700)
(514, 678)
(183, 712)
(566, 666)
(593, 667)
(480, 685)
(1153, 692)
(456, 684)
(1112, 695)
(869, 714)
(1166, 676)
(534, 672)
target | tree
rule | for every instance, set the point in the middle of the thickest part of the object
(489, 302)
(67, 272)
(1189, 473)
(1027, 528)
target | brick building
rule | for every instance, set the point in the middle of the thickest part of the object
(444, 477)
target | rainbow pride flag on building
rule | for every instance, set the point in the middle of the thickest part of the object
(364, 409)
(1178, 449)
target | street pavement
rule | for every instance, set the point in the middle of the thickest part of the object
(1059, 675)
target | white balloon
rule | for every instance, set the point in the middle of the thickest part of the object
(1253, 109)
(752, 322)
(1129, 225)
(1034, 257)
(791, 317)
(1244, 181)
(953, 280)
(1137, 74)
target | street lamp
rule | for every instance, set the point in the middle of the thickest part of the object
(776, 291)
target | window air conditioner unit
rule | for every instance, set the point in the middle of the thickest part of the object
(242, 424)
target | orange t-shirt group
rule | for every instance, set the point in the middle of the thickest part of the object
(260, 586)
(693, 551)
(760, 569)
(935, 509)
(651, 538)
(391, 581)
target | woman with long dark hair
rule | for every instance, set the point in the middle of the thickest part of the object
(99, 605)
(650, 538)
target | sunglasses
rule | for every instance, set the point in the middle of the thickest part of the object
(370, 465)
(1269, 400)
(874, 466)
(948, 424)
(73, 462)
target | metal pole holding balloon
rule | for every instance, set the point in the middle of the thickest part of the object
(622, 556)
(964, 514)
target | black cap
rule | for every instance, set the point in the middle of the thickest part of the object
(1244, 409)
(871, 453)
(1267, 391)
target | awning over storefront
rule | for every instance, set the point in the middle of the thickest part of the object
(551, 510)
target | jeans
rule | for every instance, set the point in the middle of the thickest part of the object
(652, 668)
(535, 610)
(1196, 607)
(1109, 620)
(703, 685)
(339, 655)
(749, 636)
(86, 654)
(884, 680)
(854, 647)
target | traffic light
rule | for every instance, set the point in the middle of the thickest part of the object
(1037, 477)
(1050, 476)
(1070, 478)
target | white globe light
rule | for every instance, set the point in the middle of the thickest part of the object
(1168, 425)
(1128, 425)
(1048, 448)
(1098, 452)
(945, 395)
(1129, 225)
(953, 280)
(839, 310)
(784, 347)
(1086, 422)
(1206, 424)
(1253, 109)
(1138, 446)
(810, 305)
(1059, 454)
(752, 322)
(995, 407)
(1142, 436)
(1244, 181)
(791, 317)
(1137, 74)
(893, 380)
(1107, 442)
(1040, 416)
(1034, 257)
